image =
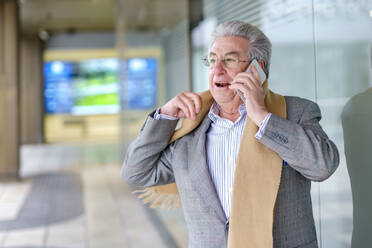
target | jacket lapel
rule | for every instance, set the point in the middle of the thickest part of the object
(199, 171)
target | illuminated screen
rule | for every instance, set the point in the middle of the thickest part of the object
(141, 76)
(91, 86)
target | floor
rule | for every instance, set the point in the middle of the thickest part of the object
(73, 196)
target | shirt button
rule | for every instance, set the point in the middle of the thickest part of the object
(231, 129)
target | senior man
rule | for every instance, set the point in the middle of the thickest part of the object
(242, 169)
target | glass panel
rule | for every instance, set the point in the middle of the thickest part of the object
(201, 36)
(154, 59)
(289, 26)
(153, 47)
(343, 31)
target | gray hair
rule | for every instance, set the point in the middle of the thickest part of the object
(260, 45)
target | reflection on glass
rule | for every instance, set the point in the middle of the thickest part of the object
(357, 127)
(342, 36)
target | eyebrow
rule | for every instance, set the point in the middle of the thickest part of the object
(229, 53)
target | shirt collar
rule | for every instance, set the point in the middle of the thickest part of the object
(214, 112)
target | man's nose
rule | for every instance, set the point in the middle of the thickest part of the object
(219, 67)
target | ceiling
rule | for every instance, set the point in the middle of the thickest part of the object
(89, 15)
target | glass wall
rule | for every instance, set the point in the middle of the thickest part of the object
(154, 37)
(322, 52)
(148, 33)
(343, 38)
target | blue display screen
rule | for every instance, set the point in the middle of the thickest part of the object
(58, 81)
(142, 83)
(91, 86)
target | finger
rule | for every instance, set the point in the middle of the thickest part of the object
(246, 81)
(255, 73)
(238, 86)
(190, 105)
(248, 78)
(244, 76)
(183, 107)
(197, 100)
(255, 80)
(181, 114)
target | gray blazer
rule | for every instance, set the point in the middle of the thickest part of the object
(299, 140)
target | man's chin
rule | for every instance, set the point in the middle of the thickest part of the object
(223, 96)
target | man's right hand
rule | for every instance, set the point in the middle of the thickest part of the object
(184, 105)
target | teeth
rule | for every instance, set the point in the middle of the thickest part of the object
(222, 84)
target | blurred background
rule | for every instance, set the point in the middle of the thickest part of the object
(78, 78)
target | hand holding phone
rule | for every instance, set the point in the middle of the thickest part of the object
(260, 72)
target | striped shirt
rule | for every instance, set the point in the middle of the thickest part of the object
(222, 146)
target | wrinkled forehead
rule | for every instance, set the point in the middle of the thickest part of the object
(229, 45)
(227, 54)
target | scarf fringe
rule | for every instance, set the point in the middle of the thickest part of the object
(159, 200)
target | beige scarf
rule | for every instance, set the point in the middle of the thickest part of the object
(256, 180)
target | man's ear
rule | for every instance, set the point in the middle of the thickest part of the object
(262, 64)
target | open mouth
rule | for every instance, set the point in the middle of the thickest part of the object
(221, 85)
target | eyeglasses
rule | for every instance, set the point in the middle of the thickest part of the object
(230, 61)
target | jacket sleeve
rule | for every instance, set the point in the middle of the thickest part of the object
(304, 145)
(148, 160)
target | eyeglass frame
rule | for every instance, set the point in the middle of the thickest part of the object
(207, 63)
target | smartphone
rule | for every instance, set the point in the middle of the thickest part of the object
(260, 72)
